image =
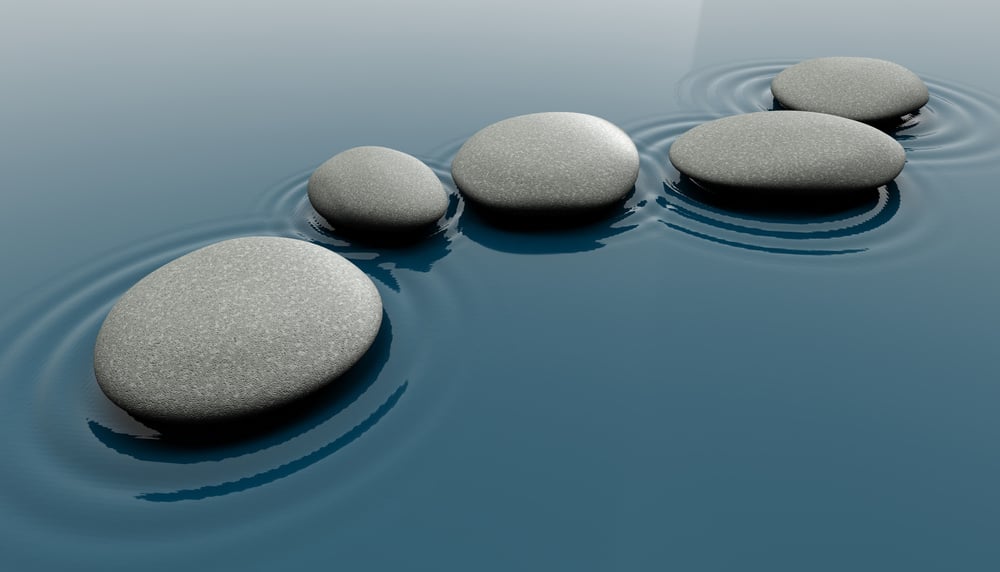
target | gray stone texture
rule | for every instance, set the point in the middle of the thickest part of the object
(235, 328)
(376, 189)
(788, 151)
(863, 89)
(547, 162)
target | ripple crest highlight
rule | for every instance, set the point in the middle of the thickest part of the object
(90, 463)
(686, 207)
(956, 126)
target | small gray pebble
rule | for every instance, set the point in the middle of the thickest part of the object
(863, 89)
(235, 328)
(376, 189)
(547, 162)
(788, 151)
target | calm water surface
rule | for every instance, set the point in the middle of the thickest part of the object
(684, 385)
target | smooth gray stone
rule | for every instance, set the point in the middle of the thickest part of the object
(863, 89)
(788, 151)
(547, 162)
(376, 189)
(235, 328)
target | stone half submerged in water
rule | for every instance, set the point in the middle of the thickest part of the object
(235, 329)
(863, 89)
(377, 190)
(555, 163)
(796, 152)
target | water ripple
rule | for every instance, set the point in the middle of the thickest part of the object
(291, 214)
(956, 127)
(869, 221)
(82, 463)
(286, 469)
(76, 446)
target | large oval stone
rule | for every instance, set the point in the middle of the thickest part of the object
(788, 151)
(235, 328)
(547, 162)
(863, 89)
(377, 189)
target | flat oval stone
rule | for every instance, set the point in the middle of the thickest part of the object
(377, 189)
(547, 162)
(863, 89)
(235, 328)
(788, 151)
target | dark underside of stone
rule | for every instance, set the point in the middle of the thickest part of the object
(777, 201)
(388, 237)
(542, 219)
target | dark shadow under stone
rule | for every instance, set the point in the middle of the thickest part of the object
(778, 203)
(544, 232)
(545, 220)
(397, 238)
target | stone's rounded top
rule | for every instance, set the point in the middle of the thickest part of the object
(863, 89)
(235, 328)
(376, 189)
(788, 151)
(547, 162)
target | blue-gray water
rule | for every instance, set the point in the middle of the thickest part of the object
(681, 386)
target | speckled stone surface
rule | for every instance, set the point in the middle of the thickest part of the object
(788, 151)
(376, 189)
(863, 89)
(235, 328)
(547, 162)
